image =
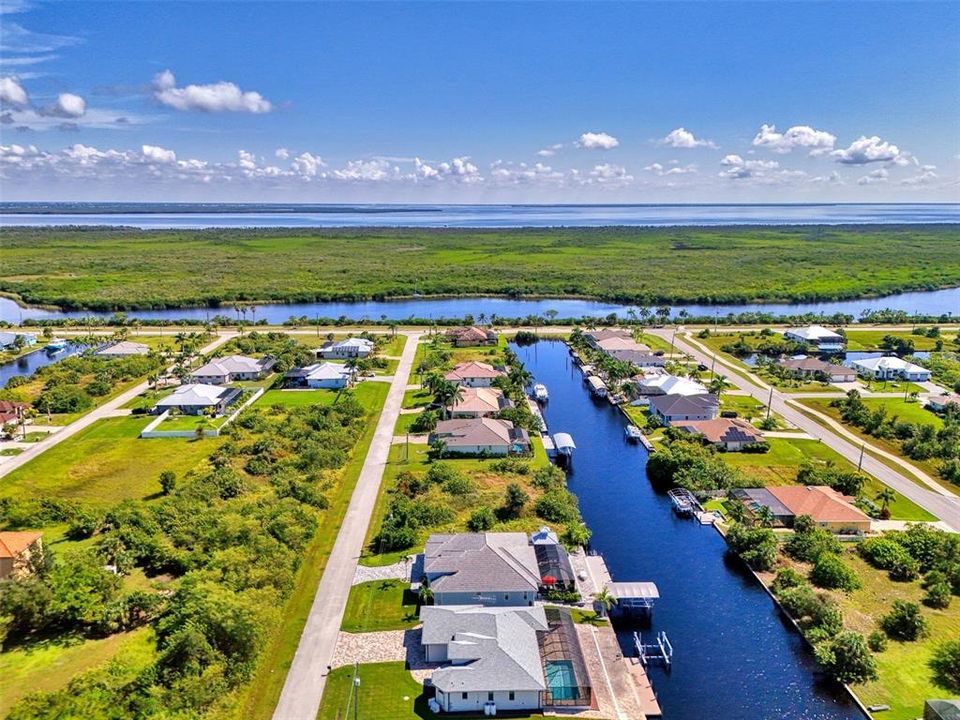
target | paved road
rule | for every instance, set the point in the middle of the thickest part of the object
(306, 678)
(108, 409)
(943, 504)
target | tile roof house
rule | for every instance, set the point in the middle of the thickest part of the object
(610, 344)
(349, 348)
(812, 367)
(479, 402)
(640, 358)
(675, 408)
(196, 398)
(731, 434)
(494, 656)
(232, 368)
(828, 508)
(11, 411)
(825, 340)
(663, 384)
(593, 337)
(18, 552)
(465, 337)
(937, 403)
(892, 368)
(478, 436)
(492, 569)
(474, 374)
(124, 348)
(324, 375)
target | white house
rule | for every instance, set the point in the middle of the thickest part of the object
(8, 340)
(475, 436)
(232, 368)
(124, 348)
(825, 340)
(320, 375)
(494, 656)
(349, 348)
(474, 374)
(664, 384)
(493, 569)
(891, 368)
(195, 399)
(675, 408)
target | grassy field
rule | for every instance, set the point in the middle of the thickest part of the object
(380, 605)
(105, 463)
(365, 392)
(387, 692)
(264, 690)
(905, 678)
(865, 340)
(123, 268)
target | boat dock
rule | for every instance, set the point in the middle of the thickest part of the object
(684, 502)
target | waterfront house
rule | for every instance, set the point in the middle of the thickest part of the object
(493, 655)
(640, 358)
(481, 435)
(474, 374)
(820, 337)
(664, 384)
(675, 408)
(344, 349)
(595, 337)
(19, 551)
(828, 508)
(492, 569)
(11, 411)
(730, 434)
(471, 336)
(939, 403)
(232, 368)
(553, 560)
(122, 349)
(811, 367)
(610, 344)
(479, 402)
(8, 340)
(891, 368)
(198, 399)
(329, 376)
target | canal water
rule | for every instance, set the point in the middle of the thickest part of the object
(31, 362)
(735, 657)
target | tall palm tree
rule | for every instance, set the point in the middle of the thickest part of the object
(448, 394)
(439, 447)
(603, 601)
(886, 496)
(718, 384)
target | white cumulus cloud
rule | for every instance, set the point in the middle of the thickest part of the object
(214, 97)
(868, 150)
(307, 164)
(67, 105)
(683, 138)
(880, 175)
(550, 151)
(153, 153)
(282, 153)
(817, 142)
(12, 92)
(597, 141)
(736, 168)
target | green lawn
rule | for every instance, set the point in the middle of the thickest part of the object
(260, 698)
(366, 392)
(417, 398)
(105, 463)
(147, 399)
(380, 605)
(890, 386)
(869, 340)
(905, 679)
(745, 406)
(404, 422)
(10, 452)
(190, 422)
(387, 691)
(122, 267)
(394, 346)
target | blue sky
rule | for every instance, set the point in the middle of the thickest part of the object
(491, 102)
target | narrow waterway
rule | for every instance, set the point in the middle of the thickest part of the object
(31, 362)
(735, 657)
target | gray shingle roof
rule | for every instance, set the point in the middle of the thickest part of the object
(481, 562)
(491, 648)
(684, 404)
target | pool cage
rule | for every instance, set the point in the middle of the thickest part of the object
(568, 682)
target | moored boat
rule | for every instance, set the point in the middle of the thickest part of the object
(540, 393)
(56, 345)
(632, 433)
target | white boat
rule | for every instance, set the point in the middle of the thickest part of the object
(56, 345)
(540, 393)
(632, 433)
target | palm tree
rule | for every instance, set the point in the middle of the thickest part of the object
(448, 394)
(736, 510)
(351, 365)
(519, 376)
(765, 516)
(603, 601)
(201, 429)
(439, 447)
(886, 496)
(425, 596)
(718, 384)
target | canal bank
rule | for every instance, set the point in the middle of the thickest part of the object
(735, 656)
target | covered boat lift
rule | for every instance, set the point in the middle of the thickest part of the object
(634, 597)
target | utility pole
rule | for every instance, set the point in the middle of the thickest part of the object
(769, 402)
(673, 339)
(713, 364)
(860, 462)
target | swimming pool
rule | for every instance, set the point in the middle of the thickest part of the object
(561, 680)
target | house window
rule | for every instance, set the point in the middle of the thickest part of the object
(463, 696)
(506, 596)
(513, 695)
(489, 697)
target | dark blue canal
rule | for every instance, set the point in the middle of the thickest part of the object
(735, 657)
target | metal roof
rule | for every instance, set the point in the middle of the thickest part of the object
(626, 590)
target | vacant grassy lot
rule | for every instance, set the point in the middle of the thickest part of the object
(365, 392)
(105, 463)
(380, 605)
(871, 339)
(122, 268)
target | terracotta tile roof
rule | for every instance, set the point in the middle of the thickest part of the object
(473, 369)
(822, 503)
(14, 543)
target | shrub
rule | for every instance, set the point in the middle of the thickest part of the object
(757, 546)
(945, 663)
(557, 506)
(904, 621)
(441, 472)
(938, 595)
(549, 478)
(832, 573)
(877, 641)
(847, 658)
(514, 501)
(482, 519)
(168, 481)
(64, 399)
(786, 578)
(885, 553)
(576, 535)
(425, 422)
(459, 485)
(810, 545)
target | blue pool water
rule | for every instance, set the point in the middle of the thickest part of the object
(561, 680)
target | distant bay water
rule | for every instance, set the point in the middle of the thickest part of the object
(232, 215)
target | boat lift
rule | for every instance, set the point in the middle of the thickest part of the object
(660, 652)
(684, 502)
